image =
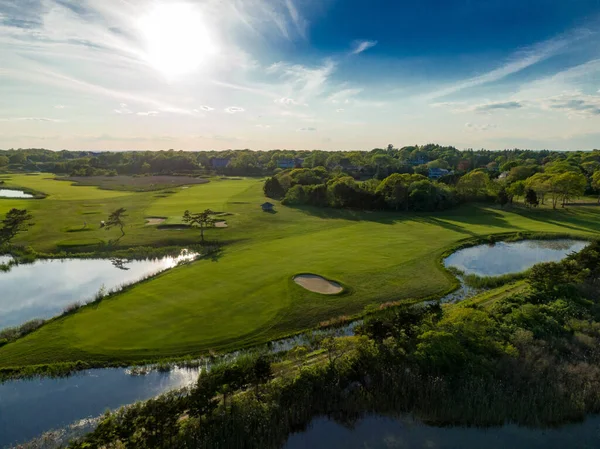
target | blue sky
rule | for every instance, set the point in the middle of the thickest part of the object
(299, 74)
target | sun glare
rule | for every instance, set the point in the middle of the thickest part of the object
(177, 39)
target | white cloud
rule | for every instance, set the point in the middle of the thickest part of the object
(234, 109)
(339, 110)
(360, 46)
(59, 106)
(307, 129)
(148, 114)
(206, 108)
(123, 109)
(480, 127)
(263, 126)
(287, 101)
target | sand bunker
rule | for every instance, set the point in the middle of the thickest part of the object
(154, 221)
(221, 224)
(318, 284)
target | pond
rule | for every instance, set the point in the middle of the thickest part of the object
(44, 288)
(511, 257)
(6, 193)
(77, 400)
(377, 432)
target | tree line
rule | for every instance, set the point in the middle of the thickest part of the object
(377, 163)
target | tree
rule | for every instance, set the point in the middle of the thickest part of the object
(539, 183)
(394, 190)
(473, 184)
(116, 219)
(202, 220)
(596, 183)
(273, 188)
(531, 198)
(503, 197)
(516, 189)
(4, 161)
(568, 185)
(15, 221)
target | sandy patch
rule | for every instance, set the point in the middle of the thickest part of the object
(318, 284)
(221, 224)
(155, 221)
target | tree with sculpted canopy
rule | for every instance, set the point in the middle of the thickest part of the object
(473, 184)
(596, 182)
(15, 222)
(116, 220)
(201, 220)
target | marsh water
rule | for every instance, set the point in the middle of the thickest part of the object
(511, 257)
(44, 288)
(378, 432)
(6, 193)
(29, 408)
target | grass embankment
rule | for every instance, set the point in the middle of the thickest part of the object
(247, 296)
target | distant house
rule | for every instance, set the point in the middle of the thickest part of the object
(219, 162)
(503, 175)
(418, 161)
(290, 163)
(267, 207)
(437, 173)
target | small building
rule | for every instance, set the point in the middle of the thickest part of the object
(219, 162)
(286, 163)
(437, 173)
(267, 207)
(503, 175)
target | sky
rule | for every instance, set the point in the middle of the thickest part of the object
(299, 74)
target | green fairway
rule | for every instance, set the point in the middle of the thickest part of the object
(247, 295)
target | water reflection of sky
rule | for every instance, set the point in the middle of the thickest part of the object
(44, 288)
(4, 193)
(29, 408)
(385, 433)
(514, 257)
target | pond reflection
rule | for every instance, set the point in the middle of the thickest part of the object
(511, 257)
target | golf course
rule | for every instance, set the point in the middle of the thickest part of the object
(246, 293)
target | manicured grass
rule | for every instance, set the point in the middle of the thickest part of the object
(135, 183)
(247, 295)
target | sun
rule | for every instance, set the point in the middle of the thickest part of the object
(176, 38)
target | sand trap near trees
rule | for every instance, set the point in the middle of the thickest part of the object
(153, 221)
(221, 224)
(317, 284)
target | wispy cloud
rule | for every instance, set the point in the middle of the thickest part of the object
(360, 46)
(234, 109)
(299, 22)
(501, 105)
(30, 119)
(287, 101)
(206, 108)
(519, 61)
(307, 129)
(148, 113)
(479, 127)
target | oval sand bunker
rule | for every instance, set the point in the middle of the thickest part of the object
(318, 284)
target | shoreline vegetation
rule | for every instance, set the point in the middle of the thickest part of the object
(10, 335)
(467, 364)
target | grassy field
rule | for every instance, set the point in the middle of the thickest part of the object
(247, 295)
